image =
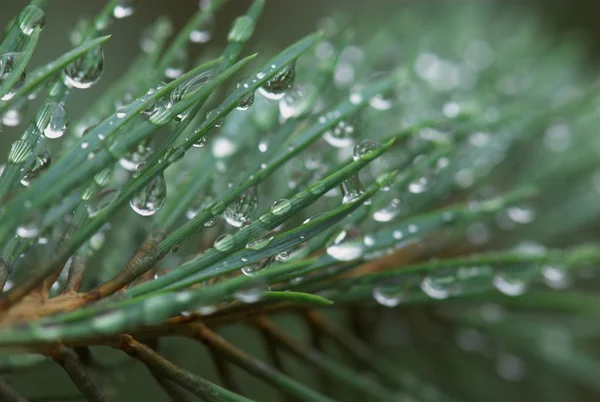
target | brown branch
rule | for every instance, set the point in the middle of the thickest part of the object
(225, 372)
(7, 394)
(173, 390)
(194, 384)
(67, 359)
(142, 261)
(75, 277)
(353, 346)
(252, 365)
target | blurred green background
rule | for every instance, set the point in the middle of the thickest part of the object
(282, 22)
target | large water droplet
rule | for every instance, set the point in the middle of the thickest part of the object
(352, 189)
(557, 138)
(19, 151)
(348, 245)
(389, 212)
(252, 292)
(364, 148)
(100, 201)
(52, 119)
(219, 120)
(441, 283)
(281, 207)
(124, 8)
(240, 210)
(251, 270)
(151, 198)
(341, 135)
(12, 117)
(419, 185)
(86, 70)
(294, 103)
(30, 18)
(7, 63)
(259, 244)
(139, 155)
(177, 66)
(200, 143)
(520, 214)
(202, 33)
(224, 242)
(513, 280)
(41, 164)
(223, 147)
(28, 231)
(556, 276)
(190, 85)
(392, 292)
(246, 102)
(276, 87)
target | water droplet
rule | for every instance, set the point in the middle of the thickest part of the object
(341, 135)
(419, 185)
(389, 212)
(219, 121)
(451, 110)
(478, 233)
(348, 245)
(263, 145)
(556, 277)
(41, 164)
(355, 98)
(251, 270)
(252, 292)
(246, 102)
(177, 66)
(479, 54)
(86, 70)
(189, 86)
(352, 189)
(201, 142)
(124, 8)
(30, 18)
(210, 222)
(223, 147)
(513, 280)
(224, 242)
(557, 138)
(363, 148)
(392, 292)
(154, 104)
(19, 151)
(28, 231)
(139, 155)
(7, 63)
(520, 214)
(281, 207)
(510, 367)
(52, 119)
(151, 198)
(441, 283)
(12, 117)
(202, 33)
(276, 87)
(259, 244)
(294, 103)
(100, 201)
(240, 210)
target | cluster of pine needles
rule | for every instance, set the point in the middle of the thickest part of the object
(408, 214)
